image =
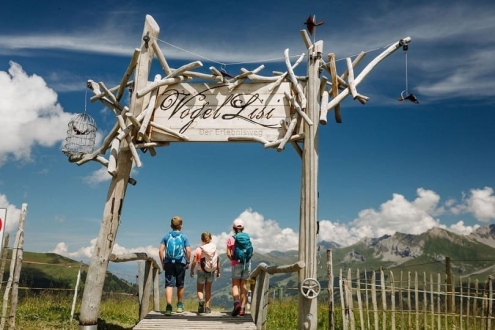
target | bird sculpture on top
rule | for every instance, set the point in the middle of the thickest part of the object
(311, 24)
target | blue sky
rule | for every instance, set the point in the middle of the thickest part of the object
(389, 166)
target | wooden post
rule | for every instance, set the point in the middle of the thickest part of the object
(144, 304)
(490, 303)
(392, 299)
(140, 282)
(156, 289)
(373, 299)
(448, 280)
(384, 299)
(309, 191)
(360, 304)
(331, 321)
(15, 270)
(111, 214)
(75, 292)
(4, 257)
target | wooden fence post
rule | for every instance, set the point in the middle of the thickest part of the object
(384, 299)
(4, 257)
(140, 281)
(331, 320)
(373, 298)
(392, 300)
(416, 299)
(448, 282)
(75, 292)
(156, 289)
(342, 301)
(490, 303)
(144, 303)
(15, 270)
(358, 296)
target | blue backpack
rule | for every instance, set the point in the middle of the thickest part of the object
(175, 247)
(243, 249)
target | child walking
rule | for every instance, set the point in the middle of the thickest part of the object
(239, 251)
(174, 253)
(207, 259)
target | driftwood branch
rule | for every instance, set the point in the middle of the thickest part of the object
(277, 269)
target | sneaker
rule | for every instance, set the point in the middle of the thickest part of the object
(168, 310)
(207, 310)
(201, 306)
(237, 308)
(242, 312)
(180, 307)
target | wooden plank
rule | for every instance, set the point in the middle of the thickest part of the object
(360, 304)
(367, 299)
(425, 301)
(490, 303)
(461, 298)
(392, 300)
(432, 304)
(331, 319)
(409, 325)
(212, 113)
(342, 302)
(349, 297)
(373, 299)
(401, 304)
(384, 299)
(191, 320)
(468, 301)
(439, 295)
(416, 299)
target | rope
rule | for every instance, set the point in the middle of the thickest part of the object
(405, 52)
(223, 64)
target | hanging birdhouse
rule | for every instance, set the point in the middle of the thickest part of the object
(81, 134)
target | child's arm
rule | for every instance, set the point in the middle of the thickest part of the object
(193, 264)
(161, 255)
(218, 266)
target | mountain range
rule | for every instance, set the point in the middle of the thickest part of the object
(470, 255)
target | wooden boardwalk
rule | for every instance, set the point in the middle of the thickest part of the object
(191, 320)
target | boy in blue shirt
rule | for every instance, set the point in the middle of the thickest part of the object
(175, 253)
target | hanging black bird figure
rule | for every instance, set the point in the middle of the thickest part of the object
(410, 97)
(311, 24)
(79, 132)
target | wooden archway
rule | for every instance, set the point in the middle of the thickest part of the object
(272, 110)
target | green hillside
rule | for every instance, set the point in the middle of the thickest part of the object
(53, 271)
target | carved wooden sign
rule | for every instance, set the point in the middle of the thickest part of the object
(214, 113)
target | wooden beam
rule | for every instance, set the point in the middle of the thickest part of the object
(111, 214)
(308, 314)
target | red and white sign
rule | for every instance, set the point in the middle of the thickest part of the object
(3, 216)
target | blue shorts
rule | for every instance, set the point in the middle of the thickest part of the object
(204, 277)
(175, 274)
(241, 271)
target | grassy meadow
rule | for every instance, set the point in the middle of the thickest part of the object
(51, 310)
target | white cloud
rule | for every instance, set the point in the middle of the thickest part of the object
(85, 253)
(98, 176)
(102, 175)
(401, 215)
(395, 215)
(13, 214)
(30, 114)
(461, 229)
(481, 204)
(266, 234)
